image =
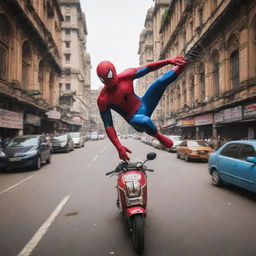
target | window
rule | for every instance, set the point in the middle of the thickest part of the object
(67, 32)
(202, 81)
(234, 62)
(68, 87)
(67, 43)
(216, 74)
(26, 60)
(67, 19)
(4, 45)
(201, 16)
(231, 150)
(60, 85)
(67, 57)
(67, 71)
(41, 77)
(246, 151)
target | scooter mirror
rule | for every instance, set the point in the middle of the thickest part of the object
(151, 156)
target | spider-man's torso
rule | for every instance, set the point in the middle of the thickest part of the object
(121, 98)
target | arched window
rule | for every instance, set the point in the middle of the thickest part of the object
(26, 64)
(254, 37)
(184, 93)
(41, 74)
(216, 73)
(234, 64)
(192, 90)
(4, 45)
(202, 81)
(51, 91)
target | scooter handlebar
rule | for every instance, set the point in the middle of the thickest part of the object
(108, 173)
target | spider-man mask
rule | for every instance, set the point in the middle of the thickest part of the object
(107, 73)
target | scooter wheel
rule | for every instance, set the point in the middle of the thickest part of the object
(138, 233)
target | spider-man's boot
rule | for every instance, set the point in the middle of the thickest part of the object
(163, 139)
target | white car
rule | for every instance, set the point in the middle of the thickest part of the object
(176, 142)
(77, 139)
(94, 136)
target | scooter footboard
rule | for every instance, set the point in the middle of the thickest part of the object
(136, 210)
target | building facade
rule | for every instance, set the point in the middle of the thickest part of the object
(30, 57)
(75, 81)
(215, 96)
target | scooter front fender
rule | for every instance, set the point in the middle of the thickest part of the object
(136, 210)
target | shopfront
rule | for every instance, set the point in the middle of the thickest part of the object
(11, 123)
(203, 125)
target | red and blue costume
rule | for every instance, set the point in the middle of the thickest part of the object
(118, 94)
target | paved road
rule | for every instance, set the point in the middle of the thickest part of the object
(67, 208)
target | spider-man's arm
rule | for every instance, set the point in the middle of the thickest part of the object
(110, 130)
(138, 72)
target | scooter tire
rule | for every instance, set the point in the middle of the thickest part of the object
(138, 233)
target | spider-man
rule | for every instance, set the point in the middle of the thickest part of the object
(118, 94)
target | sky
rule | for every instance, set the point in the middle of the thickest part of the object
(114, 28)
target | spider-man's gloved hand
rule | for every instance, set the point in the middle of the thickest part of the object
(122, 153)
(191, 56)
(177, 61)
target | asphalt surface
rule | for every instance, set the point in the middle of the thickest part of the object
(67, 208)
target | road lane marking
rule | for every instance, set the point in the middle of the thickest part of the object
(27, 250)
(95, 158)
(15, 185)
(103, 149)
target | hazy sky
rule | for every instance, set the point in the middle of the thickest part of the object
(114, 27)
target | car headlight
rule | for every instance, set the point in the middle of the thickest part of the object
(63, 144)
(30, 153)
(133, 189)
(2, 154)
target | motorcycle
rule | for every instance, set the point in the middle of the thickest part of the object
(132, 197)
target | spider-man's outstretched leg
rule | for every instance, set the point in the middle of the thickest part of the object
(141, 120)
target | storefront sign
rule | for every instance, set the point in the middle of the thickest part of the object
(188, 122)
(233, 114)
(53, 114)
(250, 110)
(34, 120)
(10, 119)
(219, 117)
(204, 119)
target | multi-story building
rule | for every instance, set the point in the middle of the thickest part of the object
(217, 94)
(75, 81)
(96, 123)
(30, 57)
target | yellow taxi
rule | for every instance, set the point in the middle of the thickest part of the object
(193, 149)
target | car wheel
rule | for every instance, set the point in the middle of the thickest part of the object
(178, 156)
(187, 159)
(216, 180)
(48, 161)
(38, 163)
(67, 149)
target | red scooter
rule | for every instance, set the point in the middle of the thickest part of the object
(132, 197)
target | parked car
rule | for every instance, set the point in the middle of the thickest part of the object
(176, 142)
(234, 162)
(78, 139)
(101, 136)
(193, 149)
(94, 136)
(62, 143)
(25, 151)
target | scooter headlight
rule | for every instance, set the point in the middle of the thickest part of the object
(133, 189)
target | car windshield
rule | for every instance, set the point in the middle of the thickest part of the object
(60, 137)
(194, 143)
(75, 135)
(23, 142)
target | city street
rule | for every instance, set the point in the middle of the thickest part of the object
(68, 208)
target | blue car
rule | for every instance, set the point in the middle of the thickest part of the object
(234, 162)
